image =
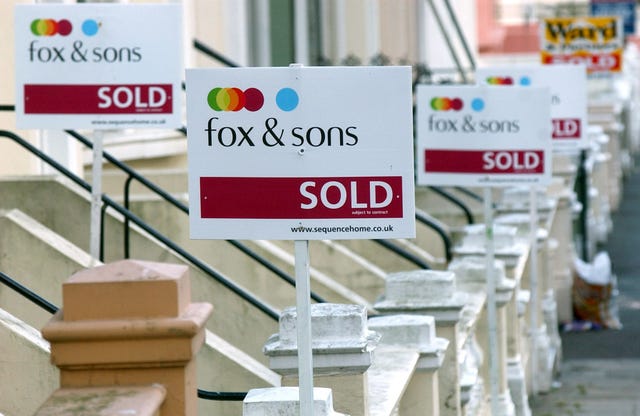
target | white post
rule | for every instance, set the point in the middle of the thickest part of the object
(96, 195)
(533, 285)
(421, 22)
(373, 28)
(303, 324)
(492, 315)
(340, 27)
(301, 25)
(263, 24)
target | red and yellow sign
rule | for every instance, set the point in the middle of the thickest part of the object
(597, 42)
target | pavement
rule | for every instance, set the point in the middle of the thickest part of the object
(600, 373)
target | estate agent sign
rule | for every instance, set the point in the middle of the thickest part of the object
(567, 85)
(300, 153)
(98, 66)
(596, 42)
(483, 136)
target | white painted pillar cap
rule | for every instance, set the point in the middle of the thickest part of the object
(413, 332)
(285, 401)
(426, 292)
(340, 340)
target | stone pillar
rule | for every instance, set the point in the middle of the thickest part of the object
(130, 323)
(342, 353)
(512, 251)
(416, 332)
(285, 401)
(545, 339)
(433, 293)
(471, 272)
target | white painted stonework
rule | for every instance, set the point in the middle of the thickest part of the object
(285, 401)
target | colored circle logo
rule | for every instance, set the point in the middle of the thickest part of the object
(234, 99)
(477, 104)
(90, 27)
(525, 81)
(500, 81)
(287, 99)
(446, 104)
(50, 27)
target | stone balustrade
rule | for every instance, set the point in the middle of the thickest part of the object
(367, 376)
(432, 293)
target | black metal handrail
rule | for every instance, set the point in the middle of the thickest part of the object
(463, 39)
(132, 174)
(28, 293)
(219, 277)
(427, 219)
(403, 253)
(448, 196)
(447, 40)
(51, 308)
(224, 396)
(469, 193)
(213, 54)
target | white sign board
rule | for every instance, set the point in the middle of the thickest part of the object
(98, 66)
(483, 136)
(300, 153)
(567, 85)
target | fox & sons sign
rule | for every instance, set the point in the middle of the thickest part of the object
(483, 136)
(300, 153)
(98, 66)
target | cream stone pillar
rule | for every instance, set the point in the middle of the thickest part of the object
(130, 323)
(513, 252)
(285, 401)
(416, 332)
(433, 293)
(471, 275)
(545, 338)
(342, 353)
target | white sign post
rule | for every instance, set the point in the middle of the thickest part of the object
(301, 153)
(489, 137)
(98, 67)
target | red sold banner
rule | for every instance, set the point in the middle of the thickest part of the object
(98, 99)
(566, 128)
(484, 161)
(304, 198)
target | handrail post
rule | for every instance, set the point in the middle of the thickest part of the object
(151, 338)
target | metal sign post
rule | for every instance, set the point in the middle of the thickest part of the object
(95, 233)
(303, 324)
(492, 314)
(533, 282)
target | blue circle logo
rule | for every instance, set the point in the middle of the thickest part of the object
(287, 99)
(525, 81)
(477, 104)
(90, 27)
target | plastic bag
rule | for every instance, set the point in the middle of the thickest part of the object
(593, 292)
